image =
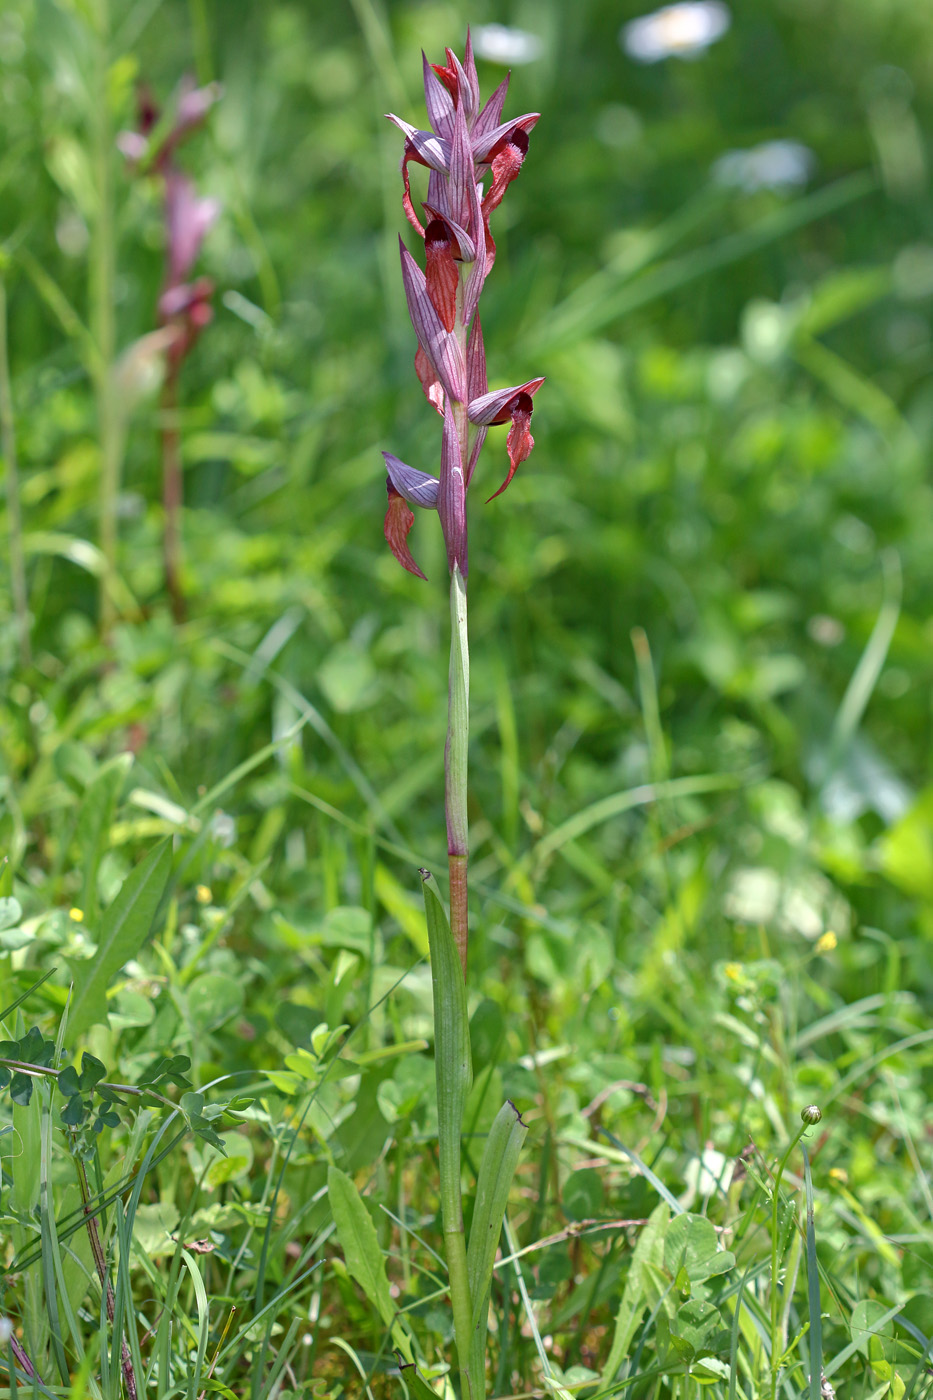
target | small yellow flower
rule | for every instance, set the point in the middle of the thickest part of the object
(203, 894)
(77, 915)
(839, 1174)
(733, 971)
(827, 942)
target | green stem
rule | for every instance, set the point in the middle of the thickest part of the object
(458, 734)
(775, 1296)
(103, 318)
(14, 514)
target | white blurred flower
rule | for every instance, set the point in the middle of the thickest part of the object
(676, 31)
(499, 44)
(6, 1330)
(774, 165)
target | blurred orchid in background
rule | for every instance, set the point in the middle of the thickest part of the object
(184, 306)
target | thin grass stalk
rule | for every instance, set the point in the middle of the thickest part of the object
(809, 1116)
(13, 509)
(100, 1263)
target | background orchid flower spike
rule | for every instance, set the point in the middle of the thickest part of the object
(472, 157)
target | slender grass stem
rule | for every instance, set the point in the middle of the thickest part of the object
(100, 1263)
(775, 1262)
(14, 513)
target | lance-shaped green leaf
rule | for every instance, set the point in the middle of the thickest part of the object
(453, 1065)
(453, 1072)
(497, 1169)
(123, 930)
(365, 1261)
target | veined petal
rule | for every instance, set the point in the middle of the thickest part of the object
(426, 148)
(498, 406)
(438, 101)
(437, 193)
(519, 442)
(477, 275)
(488, 118)
(451, 496)
(469, 68)
(438, 344)
(476, 387)
(399, 520)
(484, 145)
(418, 488)
(462, 178)
(469, 98)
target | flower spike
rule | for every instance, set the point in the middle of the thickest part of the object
(472, 156)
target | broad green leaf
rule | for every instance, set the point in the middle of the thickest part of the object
(213, 999)
(648, 1250)
(123, 930)
(692, 1249)
(10, 912)
(357, 1235)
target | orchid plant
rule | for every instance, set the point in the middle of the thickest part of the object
(184, 306)
(472, 157)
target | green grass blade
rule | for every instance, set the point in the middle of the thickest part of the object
(500, 1158)
(813, 1289)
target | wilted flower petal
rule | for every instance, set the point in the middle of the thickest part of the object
(399, 520)
(677, 31)
(519, 442)
(497, 407)
(418, 488)
(498, 43)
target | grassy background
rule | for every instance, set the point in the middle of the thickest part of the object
(714, 570)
